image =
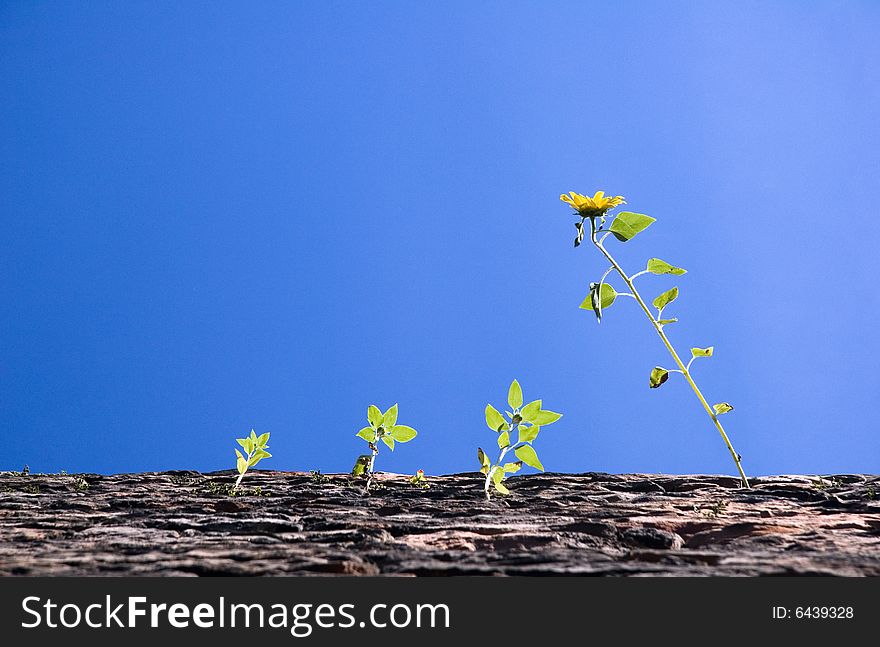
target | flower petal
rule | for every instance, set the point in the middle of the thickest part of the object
(593, 206)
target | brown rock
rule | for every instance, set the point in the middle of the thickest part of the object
(185, 523)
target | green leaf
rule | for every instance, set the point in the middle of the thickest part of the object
(666, 298)
(498, 476)
(368, 434)
(484, 460)
(595, 303)
(722, 407)
(529, 411)
(512, 468)
(389, 419)
(528, 434)
(241, 465)
(500, 487)
(608, 294)
(262, 439)
(388, 440)
(374, 416)
(253, 436)
(238, 453)
(503, 440)
(514, 395)
(253, 460)
(262, 453)
(663, 322)
(605, 296)
(494, 418)
(627, 224)
(529, 456)
(247, 444)
(360, 465)
(702, 352)
(546, 417)
(658, 376)
(656, 266)
(403, 434)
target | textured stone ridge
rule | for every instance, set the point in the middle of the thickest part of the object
(183, 523)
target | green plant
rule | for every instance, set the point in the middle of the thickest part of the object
(215, 487)
(255, 448)
(318, 478)
(219, 488)
(713, 510)
(821, 483)
(624, 227)
(523, 421)
(384, 427)
(419, 480)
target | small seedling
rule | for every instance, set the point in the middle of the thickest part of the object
(821, 483)
(384, 427)
(80, 484)
(524, 421)
(25, 470)
(215, 487)
(419, 480)
(625, 226)
(225, 489)
(713, 510)
(871, 493)
(318, 478)
(255, 448)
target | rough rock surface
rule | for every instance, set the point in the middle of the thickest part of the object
(185, 523)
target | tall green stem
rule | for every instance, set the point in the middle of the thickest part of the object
(684, 369)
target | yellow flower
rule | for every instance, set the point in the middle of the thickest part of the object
(591, 207)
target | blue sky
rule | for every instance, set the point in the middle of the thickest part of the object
(218, 216)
